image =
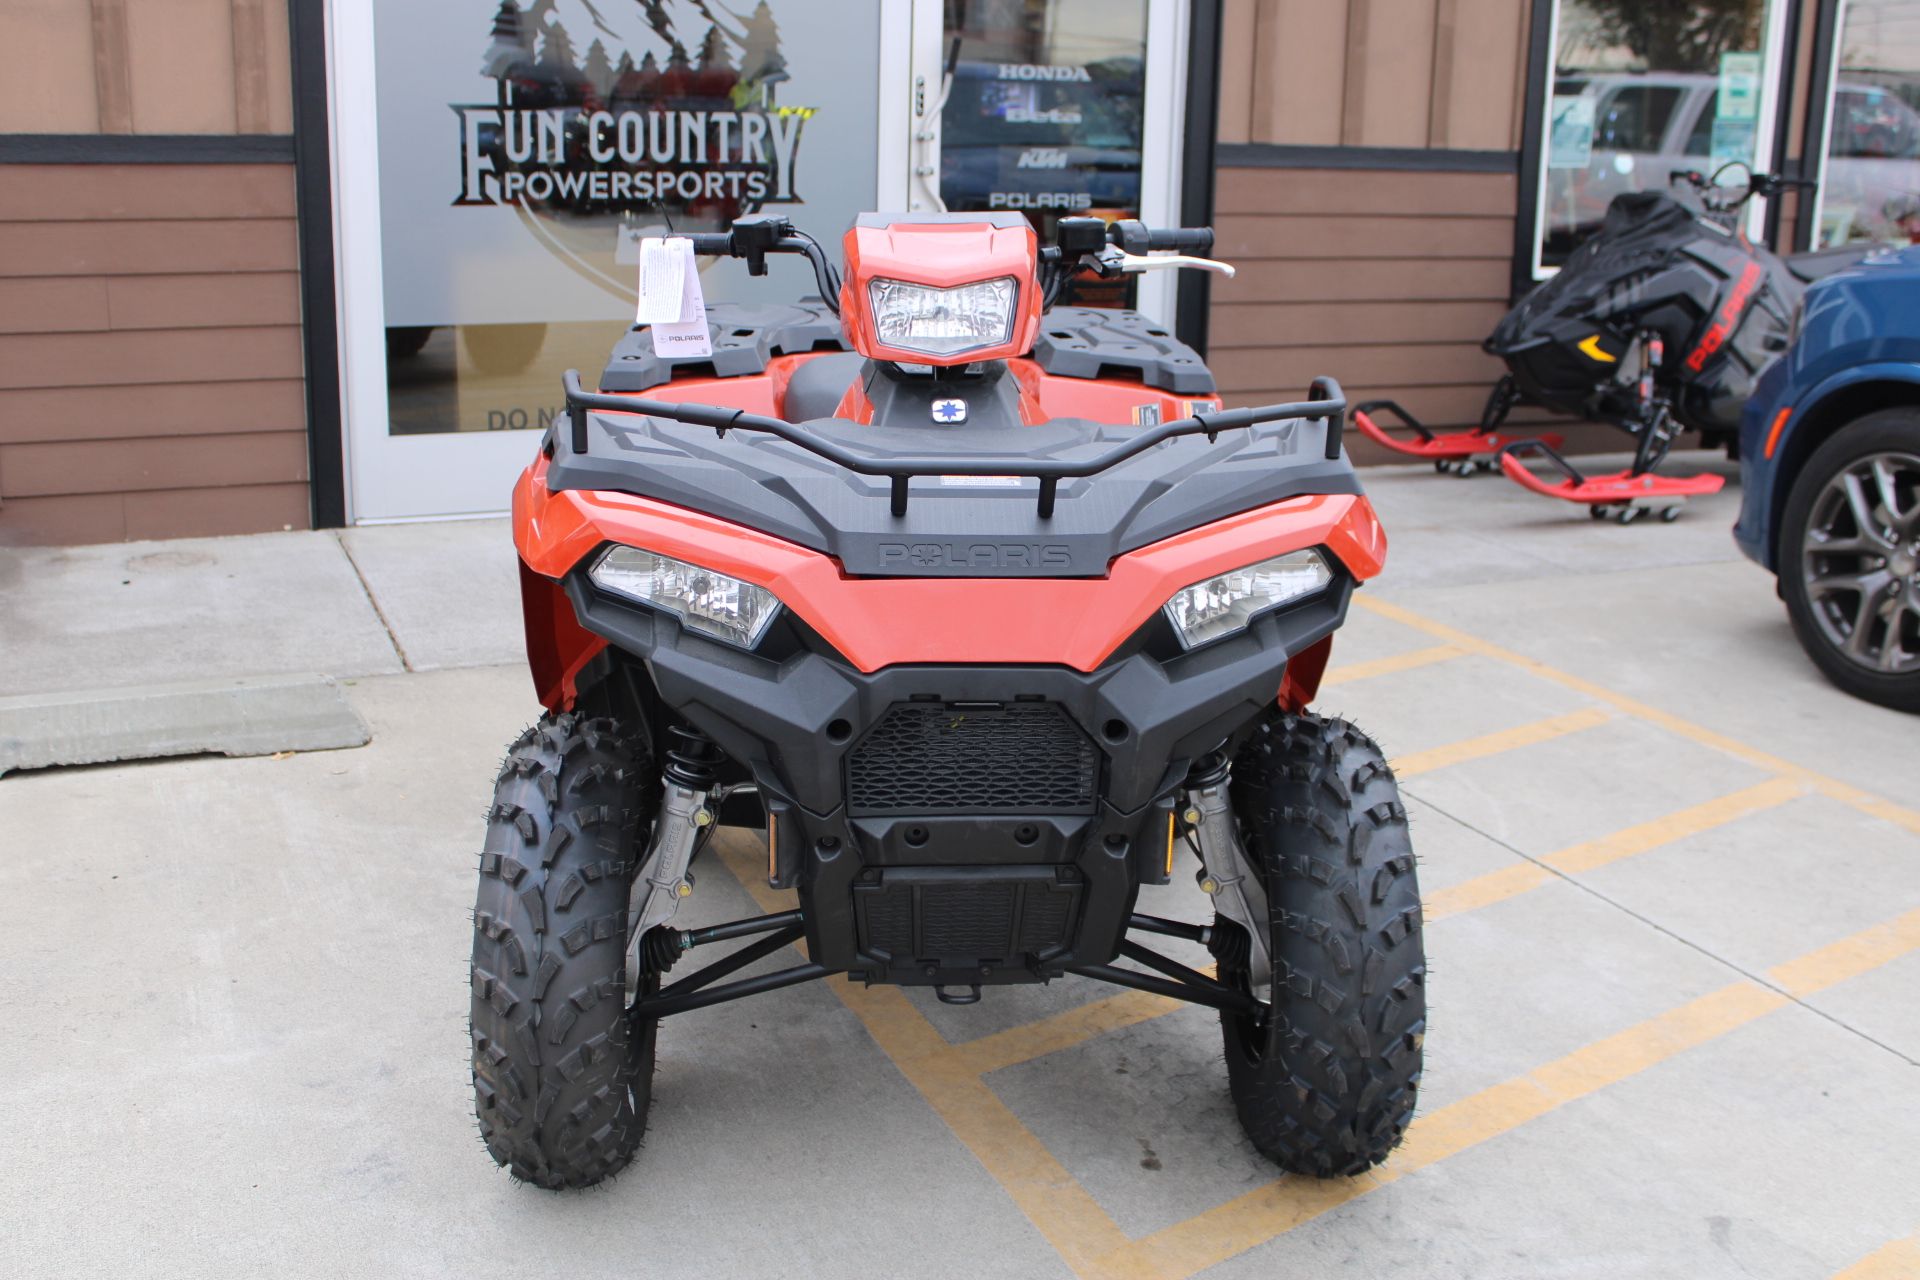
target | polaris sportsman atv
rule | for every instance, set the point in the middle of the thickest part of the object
(979, 610)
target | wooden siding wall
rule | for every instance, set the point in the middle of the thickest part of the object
(1386, 280)
(145, 66)
(1374, 73)
(150, 357)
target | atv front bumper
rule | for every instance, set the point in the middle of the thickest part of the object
(966, 824)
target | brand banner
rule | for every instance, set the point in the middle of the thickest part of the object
(526, 150)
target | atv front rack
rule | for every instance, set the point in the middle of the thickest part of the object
(696, 991)
(1325, 402)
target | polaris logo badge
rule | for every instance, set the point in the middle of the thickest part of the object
(1042, 158)
(950, 411)
(975, 555)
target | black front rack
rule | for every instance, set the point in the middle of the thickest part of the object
(1325, 402)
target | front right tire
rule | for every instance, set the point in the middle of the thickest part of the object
(562, 1073)
(1325, 1081)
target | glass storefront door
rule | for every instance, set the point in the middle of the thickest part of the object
(1870, 176)
(1646, 88)
(498, 162)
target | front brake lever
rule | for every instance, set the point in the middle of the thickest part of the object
(1114, 260)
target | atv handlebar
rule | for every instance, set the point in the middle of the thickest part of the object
(1325, 402)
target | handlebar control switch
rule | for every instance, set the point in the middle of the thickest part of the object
(1078, 236)
(757, 236)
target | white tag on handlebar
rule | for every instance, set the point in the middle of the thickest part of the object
(679, 318)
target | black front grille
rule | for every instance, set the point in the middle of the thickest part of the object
(929, 757)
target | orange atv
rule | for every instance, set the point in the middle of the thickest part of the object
(979, 609)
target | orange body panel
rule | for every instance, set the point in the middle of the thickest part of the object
(880, 622)
(941, 255)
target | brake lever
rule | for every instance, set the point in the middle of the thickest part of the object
(1114, 260)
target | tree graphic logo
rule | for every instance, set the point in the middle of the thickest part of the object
(590, 147)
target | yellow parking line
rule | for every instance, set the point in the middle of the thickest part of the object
(1492, 744)
(1864, 801)
(1182, 1250)
(1897, 1261)
(1051, 1198)
(1818, 970)
(1523, 877)
(1676, 826)
(1062, 1031)
(1349, 672)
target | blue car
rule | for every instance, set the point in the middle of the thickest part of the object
(1830, 460)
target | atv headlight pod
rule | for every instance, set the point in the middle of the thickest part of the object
(943, 322)
(707, 602)
(1227, 602)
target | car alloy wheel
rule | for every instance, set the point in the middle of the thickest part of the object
(1860, 562)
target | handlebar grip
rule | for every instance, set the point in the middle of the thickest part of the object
(1192, 240)
(717, 244)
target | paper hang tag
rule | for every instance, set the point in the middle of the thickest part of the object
(671, 301)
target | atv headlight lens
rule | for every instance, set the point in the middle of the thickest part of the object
(942, 322)
(1222, 605)
(707, 602)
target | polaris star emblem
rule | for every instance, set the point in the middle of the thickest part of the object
(949, 411)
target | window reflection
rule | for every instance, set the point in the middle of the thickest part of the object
(1871, 188)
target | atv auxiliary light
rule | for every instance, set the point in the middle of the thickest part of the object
(1226, 603)
(943, 322)
(707, 602)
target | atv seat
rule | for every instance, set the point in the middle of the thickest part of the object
(1809, 267)
(817, 385)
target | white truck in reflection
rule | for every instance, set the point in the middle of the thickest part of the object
(1648, 126)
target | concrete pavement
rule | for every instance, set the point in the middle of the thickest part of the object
(1673, 926)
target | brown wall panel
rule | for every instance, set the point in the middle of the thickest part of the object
(197, 302)
(1426, 364)
(1239, 34)
(125, 466)
(148, 356)
(181, 65)
(53, 306)
(178, 409)
(1392, 68)
(1343, 192)
(144, 192)
(52, 90)
(1246, 237)
(74, 518)
(147, 248)
(1309, 324)
(214, 513)
(1299, 72)
(1341, 280)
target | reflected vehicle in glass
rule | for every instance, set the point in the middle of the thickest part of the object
(1649, 126)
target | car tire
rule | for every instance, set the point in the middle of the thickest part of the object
(1828, 619)
(1325, 1082)
(562, 1073)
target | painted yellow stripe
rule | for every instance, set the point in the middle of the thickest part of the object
(1057, 1205)
(1523, 877)
(1349, 672)
(1062, 1031)
(1484, 891)
(1864, 801)
(1676, 826)
(1849, 957)
(1897, 1261)
(1493, 744)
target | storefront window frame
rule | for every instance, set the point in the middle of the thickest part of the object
(1530, 229)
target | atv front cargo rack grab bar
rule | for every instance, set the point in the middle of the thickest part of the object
(1326, 402)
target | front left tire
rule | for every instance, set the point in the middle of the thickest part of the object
(562, 1073)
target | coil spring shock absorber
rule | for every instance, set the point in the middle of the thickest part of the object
(689, 775)
(1226, 875)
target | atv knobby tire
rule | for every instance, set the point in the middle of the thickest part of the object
(1325, 1083)
(561, 1074)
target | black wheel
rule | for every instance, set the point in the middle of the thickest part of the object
(1670, 514)
(1441, 466)
(1325, 1080)
(1850, 558)
(1466, 468)
(1598, 512)
(562, 1075)
(1627, 516)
